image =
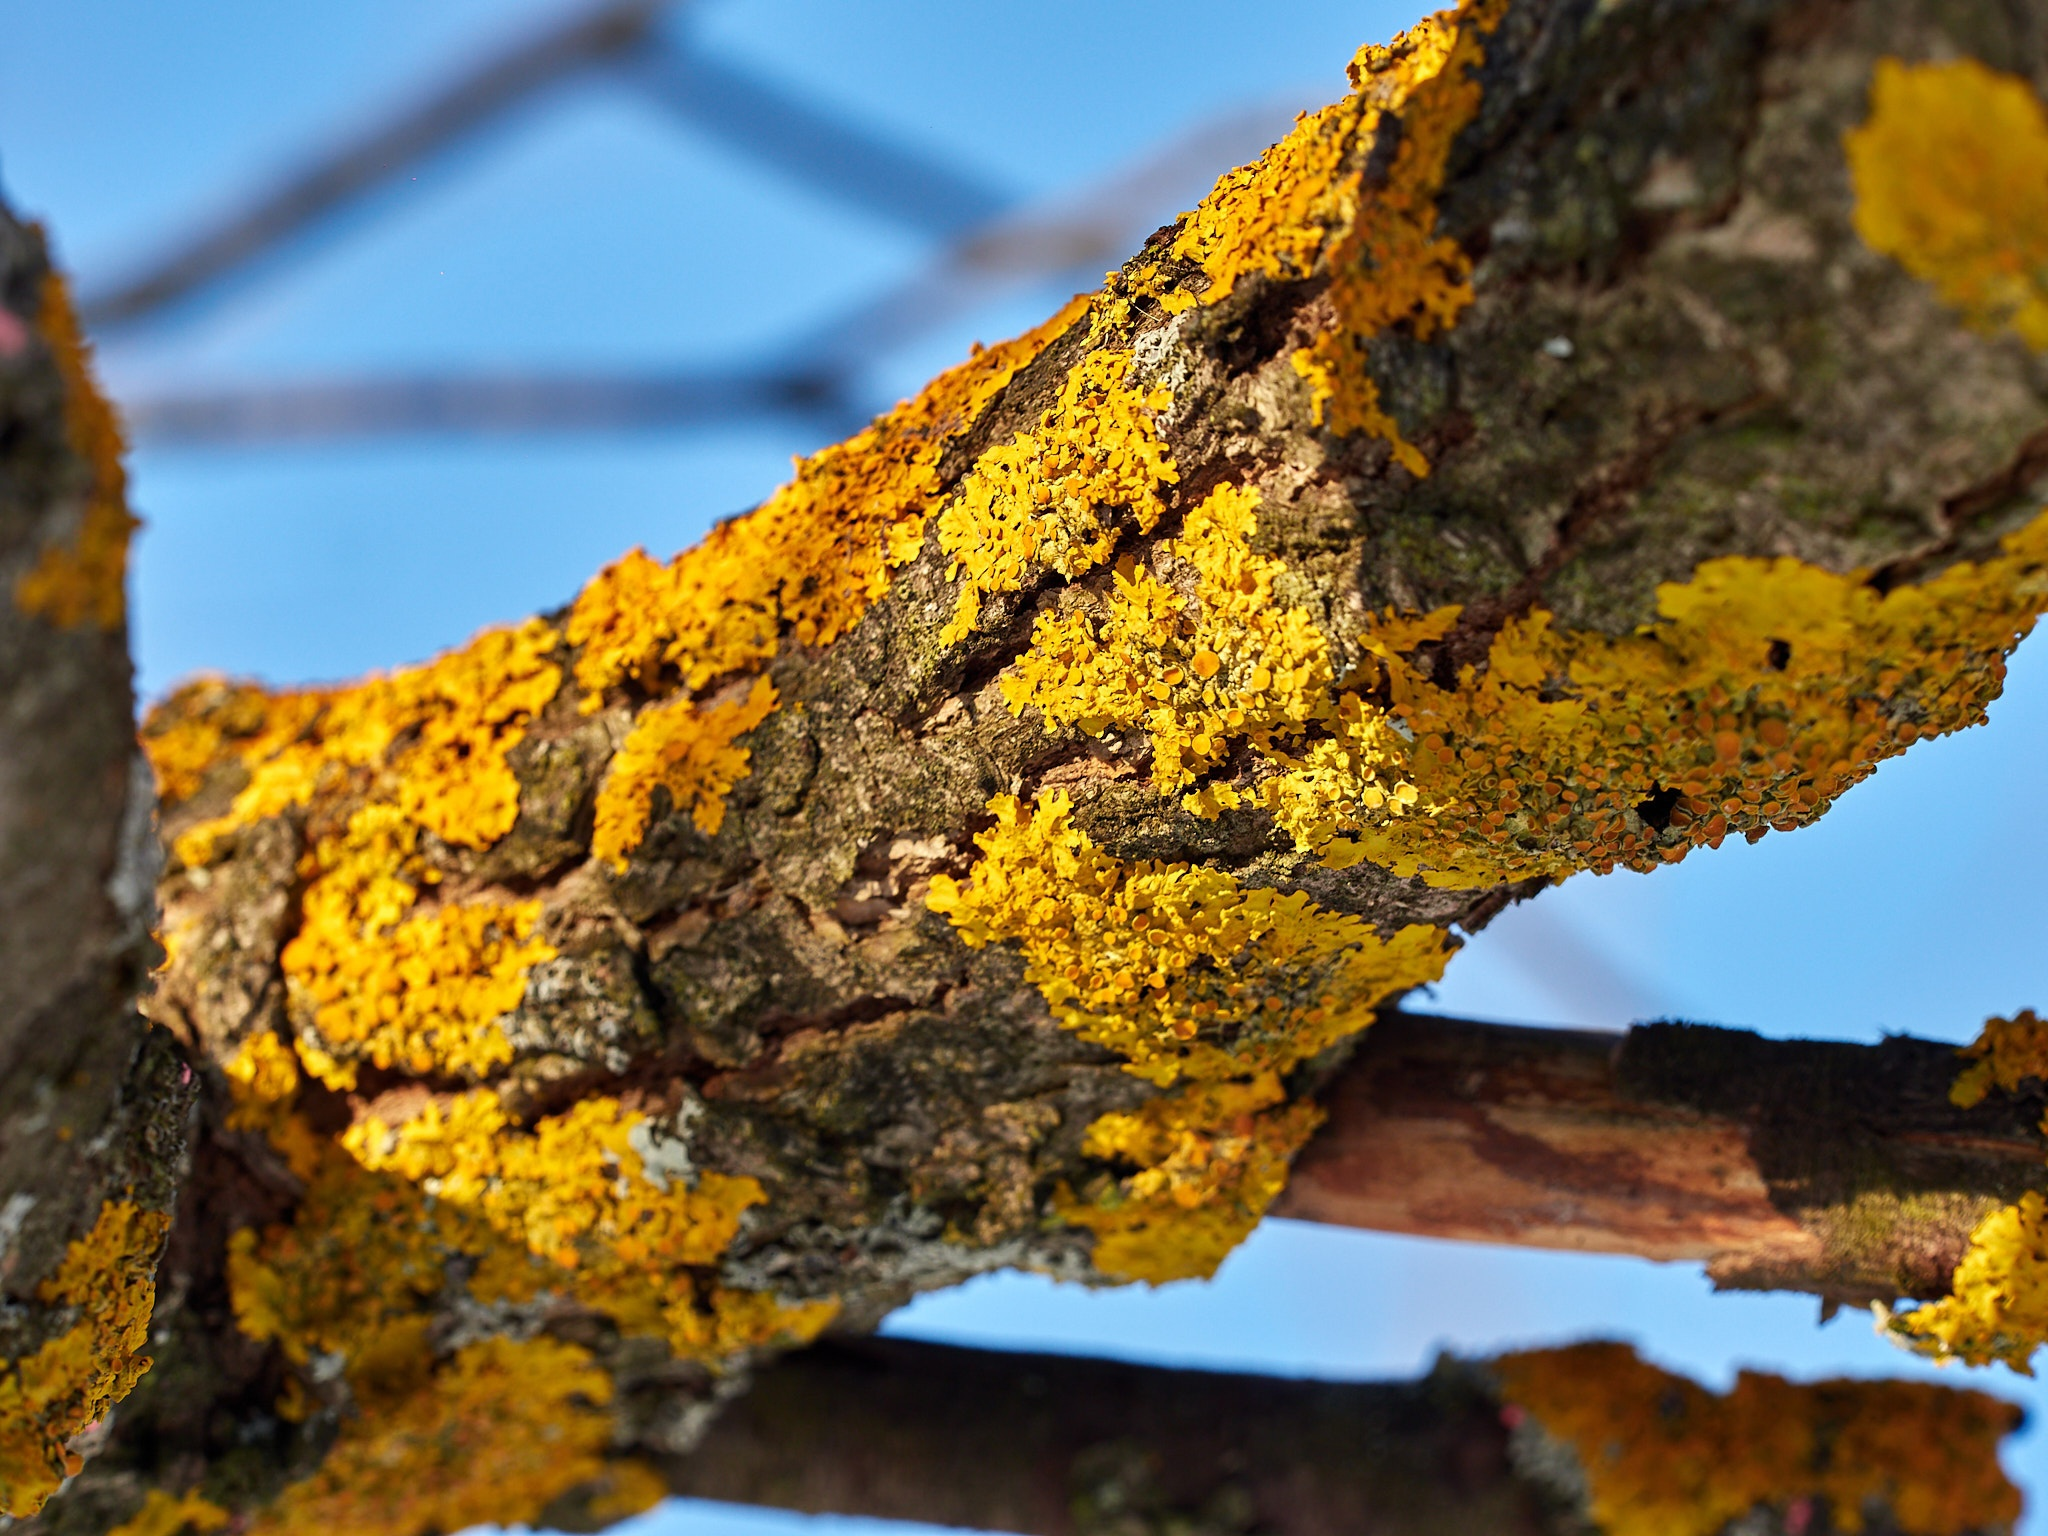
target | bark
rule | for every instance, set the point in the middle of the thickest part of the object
(1838, 1169)
(1055, 1445)
(1533, 443)
(92, 1107)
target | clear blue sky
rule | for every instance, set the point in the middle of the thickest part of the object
(597, 232)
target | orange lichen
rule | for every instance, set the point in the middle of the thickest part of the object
(490, 1438)
(1189, 976)
(1177, 968)
(462, 1195)
(1209, 1160)
(1051, 496)
(353, 1274)
(1390, 267)
(1665, 1457)
(813, 557)
(109, 1276)
(2005, 1054)
(376, 981)
(1951, 178)
(1764, 689)
(1199, 666)
(83, 581)
(433, 740)
(1304, 205)
(1997, 1306)
(165, 1514)
(686, 750)
(571, 1189)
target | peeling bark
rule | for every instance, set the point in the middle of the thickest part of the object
(1838, 1169)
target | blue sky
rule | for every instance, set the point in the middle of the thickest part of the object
(594, 232)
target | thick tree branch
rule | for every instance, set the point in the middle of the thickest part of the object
(92, 1109)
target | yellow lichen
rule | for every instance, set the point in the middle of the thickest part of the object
(1951, 178)
(2004, 1055)
(1763, 690)
(1189, 976)
(461, 1194)
(377, 981)
(684, 749)
(1304, 205)
(434, 739)
(1997, 1306)
(814, 556)
(1390, 267)
(490, 1438)
(1176, 967)
(571, 1189)
(1210, 1159)
(1198, 670)
(1665, 1457)
(109, 1277)
(164, 1514)
(1051, 496)
(85, 580)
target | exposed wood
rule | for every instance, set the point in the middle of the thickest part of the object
(1830, 1167)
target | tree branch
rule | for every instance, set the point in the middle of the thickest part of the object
(1052, 1445)
(93, 1103)
(1808, 1165)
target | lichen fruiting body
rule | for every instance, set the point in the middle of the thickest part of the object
(1663, 1456)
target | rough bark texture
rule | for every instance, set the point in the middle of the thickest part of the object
(981, 854)
(92, 1110)
(1838, 1169)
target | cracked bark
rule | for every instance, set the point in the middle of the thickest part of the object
(1677, 351)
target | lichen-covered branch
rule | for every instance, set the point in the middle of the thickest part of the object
(1612, 427)
(92, 1109)
(1546, 1441)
